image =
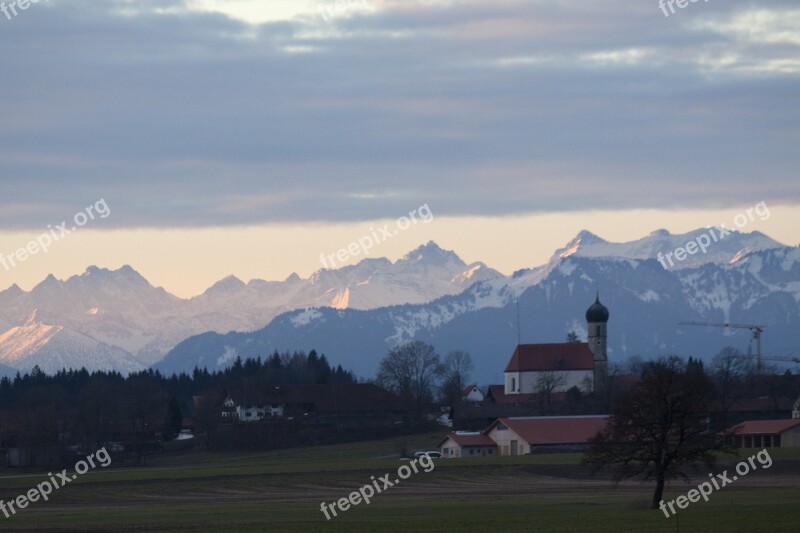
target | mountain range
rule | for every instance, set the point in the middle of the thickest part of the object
(116, 319)
(756, 281)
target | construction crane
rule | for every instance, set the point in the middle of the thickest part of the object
(756, 329)
(781, 358)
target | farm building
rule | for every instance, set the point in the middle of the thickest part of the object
(767, 434)
(467, 444)
(518, 436)
(522, 435)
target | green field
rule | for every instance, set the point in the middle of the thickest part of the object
(282, 491)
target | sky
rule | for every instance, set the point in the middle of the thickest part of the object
(249, 137)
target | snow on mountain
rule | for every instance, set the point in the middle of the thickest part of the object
(721, 250)
(126, 316)
(646, 301)
(27, 338)
(119, 312)
(116, 319)
(53, 348)
(422, 275)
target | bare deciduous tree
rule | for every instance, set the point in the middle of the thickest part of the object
(457, 369)
(660, 427)
(412, 371)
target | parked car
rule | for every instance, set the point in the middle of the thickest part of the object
(432, 454)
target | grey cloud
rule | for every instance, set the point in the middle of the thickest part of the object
(487, 108)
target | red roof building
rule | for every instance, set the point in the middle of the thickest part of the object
(549, 368)
(463, 444)
(766, 434)
(558, 367)
(516, 436)
(542, 357)
(523, 435)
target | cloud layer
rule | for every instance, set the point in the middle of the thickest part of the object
(180, 114)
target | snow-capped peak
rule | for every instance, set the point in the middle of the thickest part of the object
(431, 253)
(721, 250)
(583, 239)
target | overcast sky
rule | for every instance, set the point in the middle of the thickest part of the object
(248, 137)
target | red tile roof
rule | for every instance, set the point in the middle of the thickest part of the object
(545, 357)
(762, 427)
(555, 430)
(469, 440)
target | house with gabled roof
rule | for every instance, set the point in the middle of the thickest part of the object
(766, 434)
(524, 435)
(467, 444)
(521, 435)
(472, 393)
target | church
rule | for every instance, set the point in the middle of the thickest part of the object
(559, 367)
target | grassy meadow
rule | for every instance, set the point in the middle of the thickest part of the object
(282, 491)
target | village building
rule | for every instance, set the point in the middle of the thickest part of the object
(554, 368)
(766, 434)
(472, 393)
(342, 404)
(467, 444)
(524, 435)
(521, 435)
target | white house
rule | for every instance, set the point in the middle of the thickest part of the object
(253, 413)
(467, 444)
(229, 409)
(256, 413)
(472, 393)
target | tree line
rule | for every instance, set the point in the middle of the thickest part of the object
(77, 409)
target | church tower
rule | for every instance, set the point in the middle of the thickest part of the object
(597, 318)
